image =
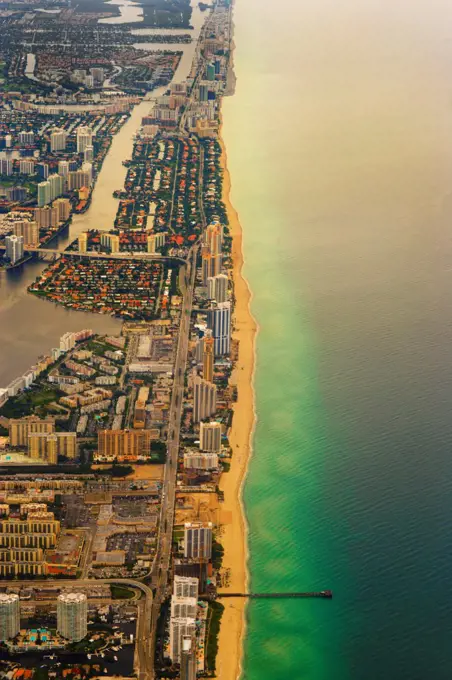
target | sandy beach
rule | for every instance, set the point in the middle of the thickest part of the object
(233, 537)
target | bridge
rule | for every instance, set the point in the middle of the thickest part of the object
(93, 254)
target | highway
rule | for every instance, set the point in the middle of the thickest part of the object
(161, 567)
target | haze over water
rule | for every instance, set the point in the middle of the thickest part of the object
(339, 141)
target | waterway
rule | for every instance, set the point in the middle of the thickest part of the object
(339, 141)
(131, 12)
(30, 326)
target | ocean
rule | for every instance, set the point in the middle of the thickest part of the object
(339, 140)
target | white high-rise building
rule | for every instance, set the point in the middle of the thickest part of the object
(210, 437)
(198, 540)
(180, 628)
(44, 193)
(6, 166)
(72, 616)
(88, 168)
(186, 586)
(219, 321)
(67, 342)
(88, 154)
(14, 248)
(58, 140)
(201, 461)
(84, 138)
(26, 137)
(9, 616)
(204, 399)
(183, 607)
(26, 167)
(217, 287)
(188, 659)
(56, 186)
(63, 168)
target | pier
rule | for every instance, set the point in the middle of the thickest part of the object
(327, 594)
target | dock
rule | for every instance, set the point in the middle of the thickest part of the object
(327, 594)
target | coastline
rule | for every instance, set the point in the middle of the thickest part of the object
(234, 527)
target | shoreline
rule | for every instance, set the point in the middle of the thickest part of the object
(234, 537)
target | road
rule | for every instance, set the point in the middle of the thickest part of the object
(160, 572)
(94, 255)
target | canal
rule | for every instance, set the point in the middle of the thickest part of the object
(29, 326)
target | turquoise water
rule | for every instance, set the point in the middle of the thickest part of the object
(339, 143)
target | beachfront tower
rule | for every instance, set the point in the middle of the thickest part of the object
(204, 399)
(198, 540)
(210, 437)
(219, 321)
(9, 616)
(187, 659)
(180, 628)
(208, 357)
(72, 616)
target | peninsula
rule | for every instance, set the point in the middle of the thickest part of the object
(123, 454)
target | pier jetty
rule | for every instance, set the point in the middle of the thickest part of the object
(328, 594)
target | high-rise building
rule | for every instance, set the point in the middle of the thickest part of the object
(63, 168)
(40, 449)
(28, 229)
(84, 138)
(217, 288)
(211, 265)
(77, 179)
(21, 428)
(56, 185)
(210, 437)
(213, 238)
(67, 444)
(219, 321)
(47, 216)
(179, 628)
(83, 242)
(199, 349)
(188, 659)
(72, 616)
(183, 607)
(98, 74)
(185, 586)
(208, 357)
(42, 170)
(198, 540)
(204, 399)
(44, 193)
(124, 444)
(9, 616)
(110, 241)
(14, 248)
(6, 166)
(26, 167)
(58, 140)
(201, 461)
(63, 205)
(88, 154)
(210, 72)
(26, 138)
(88, 168)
